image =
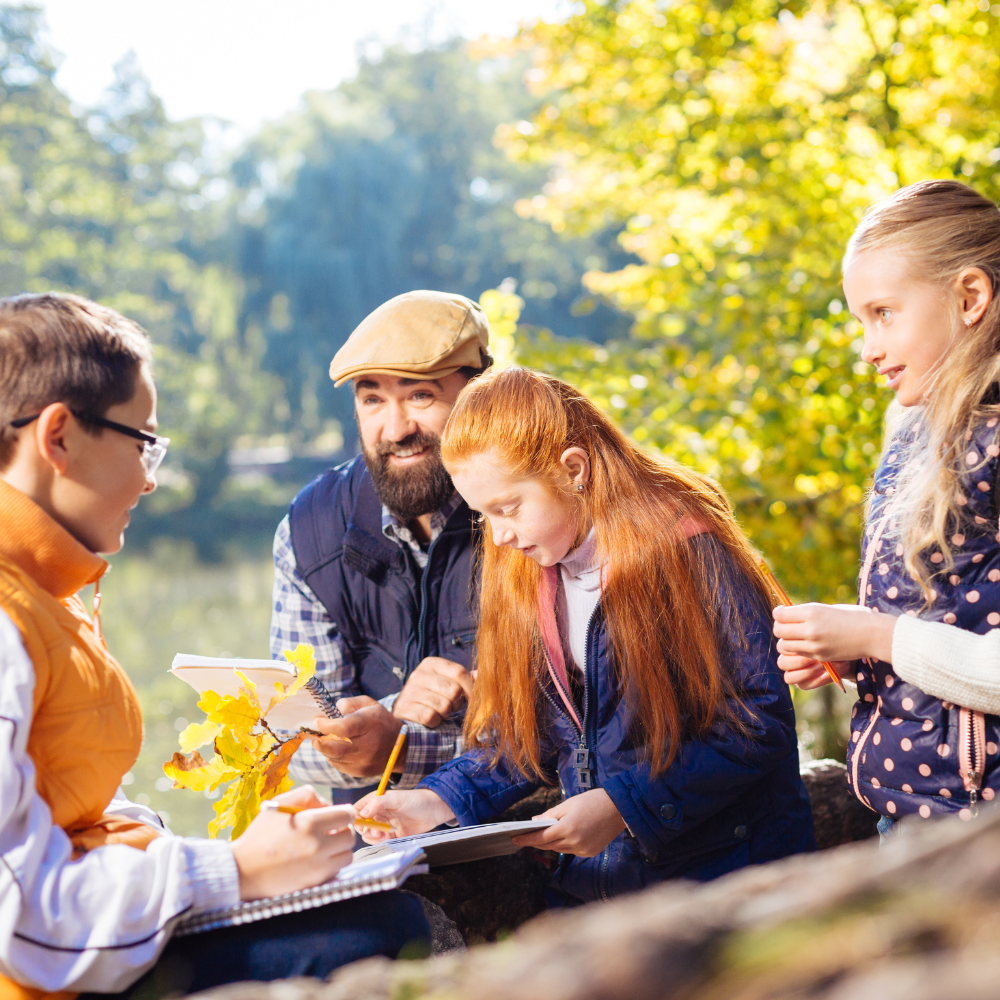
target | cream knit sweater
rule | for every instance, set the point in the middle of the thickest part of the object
(948, 662)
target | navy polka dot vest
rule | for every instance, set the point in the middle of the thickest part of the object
(910, 752)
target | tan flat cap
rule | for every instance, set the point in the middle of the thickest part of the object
(419, 334)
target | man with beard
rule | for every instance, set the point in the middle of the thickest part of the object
(374, 563)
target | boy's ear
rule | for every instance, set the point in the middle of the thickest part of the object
(51, 430)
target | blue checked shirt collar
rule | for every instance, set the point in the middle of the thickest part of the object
(400, 534)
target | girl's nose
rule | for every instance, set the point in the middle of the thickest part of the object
(502, 536)
(870, 352)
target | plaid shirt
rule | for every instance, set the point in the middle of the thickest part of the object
(297, 615)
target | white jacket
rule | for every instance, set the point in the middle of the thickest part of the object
(99, 922)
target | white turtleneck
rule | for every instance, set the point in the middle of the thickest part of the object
(578, 596)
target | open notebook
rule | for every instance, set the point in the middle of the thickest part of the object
(388, 871)
(211, 673)
(457, 845)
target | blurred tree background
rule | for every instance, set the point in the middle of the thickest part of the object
(650, 196)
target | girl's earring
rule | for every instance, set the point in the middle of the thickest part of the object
(968, 322)
(579, 487)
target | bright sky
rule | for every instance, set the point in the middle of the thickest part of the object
(248, 61)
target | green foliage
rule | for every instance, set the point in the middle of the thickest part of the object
(392, 182)
(113, 204)
(738, 143)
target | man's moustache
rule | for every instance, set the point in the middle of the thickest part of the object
(410, 445)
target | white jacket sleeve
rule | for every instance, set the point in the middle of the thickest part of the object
(948, 662)
(97, 923)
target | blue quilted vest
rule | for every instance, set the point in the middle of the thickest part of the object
(910, 752)
(389, 613)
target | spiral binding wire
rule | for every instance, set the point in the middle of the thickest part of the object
(325, 699)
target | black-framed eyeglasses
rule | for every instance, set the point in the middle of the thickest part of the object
(153, 453)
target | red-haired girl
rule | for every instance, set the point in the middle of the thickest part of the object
(624, 650)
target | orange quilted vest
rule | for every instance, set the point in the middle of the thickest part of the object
(86, 726)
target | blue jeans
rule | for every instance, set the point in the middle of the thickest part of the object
(888, 830)
(311, 943)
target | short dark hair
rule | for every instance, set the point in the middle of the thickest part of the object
(57, 348)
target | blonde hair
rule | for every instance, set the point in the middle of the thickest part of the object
(938, 229)
(658, 596)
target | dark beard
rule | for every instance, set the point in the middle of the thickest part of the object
(410, 493)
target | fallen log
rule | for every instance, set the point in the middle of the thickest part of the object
(916, 920)
(487, 899)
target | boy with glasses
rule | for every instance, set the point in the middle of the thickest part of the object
(91, 884)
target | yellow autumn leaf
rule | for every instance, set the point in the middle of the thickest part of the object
(209, 702)
(236, 713)
(303, 658)
(285, 785)
(249, 690)
(198, 734)
(238, 750)
(223, 810)
(276, 766)
(204, 778)
(247, 803)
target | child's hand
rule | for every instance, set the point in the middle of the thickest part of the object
(588, 822)
(837, 633)
(410, 812)
(281, 853)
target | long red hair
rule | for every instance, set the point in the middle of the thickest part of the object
(657, 599)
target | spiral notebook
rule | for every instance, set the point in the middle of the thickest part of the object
(362, 878)
(211, 673)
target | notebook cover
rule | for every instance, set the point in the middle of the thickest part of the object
(459, 844)
(360, 878)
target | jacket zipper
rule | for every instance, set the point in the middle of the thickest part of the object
(870, 553)
(971, 753)
(856, 758)
(606, 853)
(422, 619)
(581, 763)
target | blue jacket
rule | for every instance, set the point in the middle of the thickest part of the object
(911, 752)
(726, 801)
(389, 612)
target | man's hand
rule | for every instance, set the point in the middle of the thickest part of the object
(588, 822)
(435, 690)
(372, 730)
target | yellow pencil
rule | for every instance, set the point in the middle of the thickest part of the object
(375, 823)
(788, 603)
(289, 810)
(295, 810)
(397, 746)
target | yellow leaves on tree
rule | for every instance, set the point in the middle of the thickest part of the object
(735, 144)
(247, 754)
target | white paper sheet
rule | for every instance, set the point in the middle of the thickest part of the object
(459, 844)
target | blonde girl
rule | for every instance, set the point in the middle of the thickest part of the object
(921, 274)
